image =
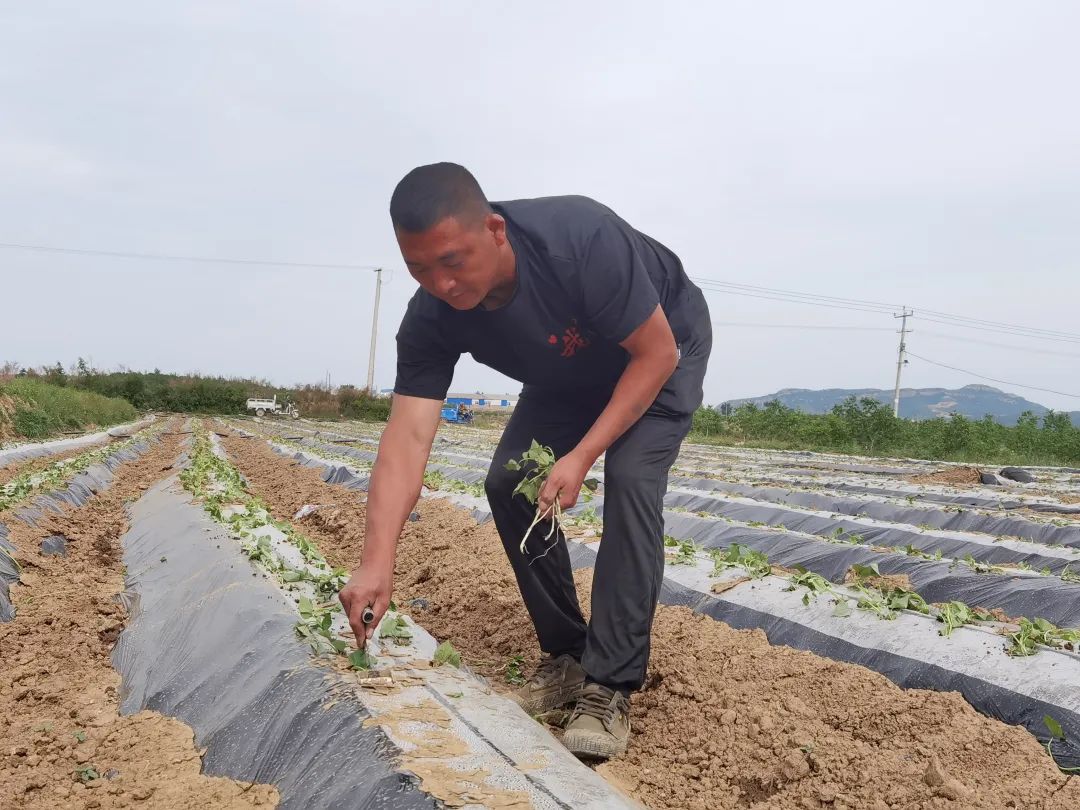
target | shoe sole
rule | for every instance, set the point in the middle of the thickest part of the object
(549, 702)
(590, 747)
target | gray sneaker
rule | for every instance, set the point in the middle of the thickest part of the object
(555, 684)
(599, 728)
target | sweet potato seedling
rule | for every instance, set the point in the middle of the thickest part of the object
(1033, 633)
(537, 462)
(446, 654)
(815, 584)
(360, 660)
(395, 628)
(755, 563)
(684, 552)
(1056, 735)
(957, 614)
(515, 672)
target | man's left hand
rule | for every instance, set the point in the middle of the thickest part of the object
(564, 482)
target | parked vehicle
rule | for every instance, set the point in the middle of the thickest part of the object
(261, 407)
(460, 414)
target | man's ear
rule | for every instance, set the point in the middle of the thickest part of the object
(496, 226)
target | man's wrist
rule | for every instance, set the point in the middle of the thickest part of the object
(376, 555)
(587, 455)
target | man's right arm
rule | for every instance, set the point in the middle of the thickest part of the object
(396, 480)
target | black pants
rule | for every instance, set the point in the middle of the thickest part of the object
(614, 646)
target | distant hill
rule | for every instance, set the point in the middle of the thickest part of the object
(973, 401)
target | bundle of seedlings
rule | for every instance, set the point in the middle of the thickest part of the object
(537, 462)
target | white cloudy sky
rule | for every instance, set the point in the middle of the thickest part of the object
(919, 153)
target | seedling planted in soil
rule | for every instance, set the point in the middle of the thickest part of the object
(1025, 641)
(361, 660)
(685, 551)
(755, 563)
(395, 628)
(446, 654)
(1056, 735)
(515, 675)
(957, 614)
(87, 774)
(815, 584)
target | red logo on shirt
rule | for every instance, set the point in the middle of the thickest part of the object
(572, 340)
(552, 340)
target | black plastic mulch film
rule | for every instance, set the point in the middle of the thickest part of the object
(909, 673)
(1028, 595)
(213, 643)
(966, 520)
(937, 581)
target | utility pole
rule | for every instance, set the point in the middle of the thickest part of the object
(900, 359)
(374, 333)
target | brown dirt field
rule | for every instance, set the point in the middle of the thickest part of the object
(954, 476)
(59, 680)
(726, 720)
(885, 582)
(34, 464)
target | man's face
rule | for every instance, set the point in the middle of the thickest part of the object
(456, 262)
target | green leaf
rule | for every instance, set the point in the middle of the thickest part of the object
(306, 607)
(1054, 727)
(361, 660)
(455, 694)
(864, 571)
(80, 736)
(842, 609)
(512, 465)
(446, 654)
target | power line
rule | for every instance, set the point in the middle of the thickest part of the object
(711, 285)
(992, 379)
(999, 324)
(795, 300)
(804, 326)
(117, 254)
(1013, 346)
(880, 305)
(877, 307)
(1063, 339)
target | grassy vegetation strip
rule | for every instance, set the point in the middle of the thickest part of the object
(867, 427)
(33, 409)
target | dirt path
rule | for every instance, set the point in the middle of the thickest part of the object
(58, 697)
(726, 720)
(34, 464)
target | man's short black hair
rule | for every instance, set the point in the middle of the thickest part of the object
(429, 194)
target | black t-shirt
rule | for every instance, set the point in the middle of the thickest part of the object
(585, 281)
